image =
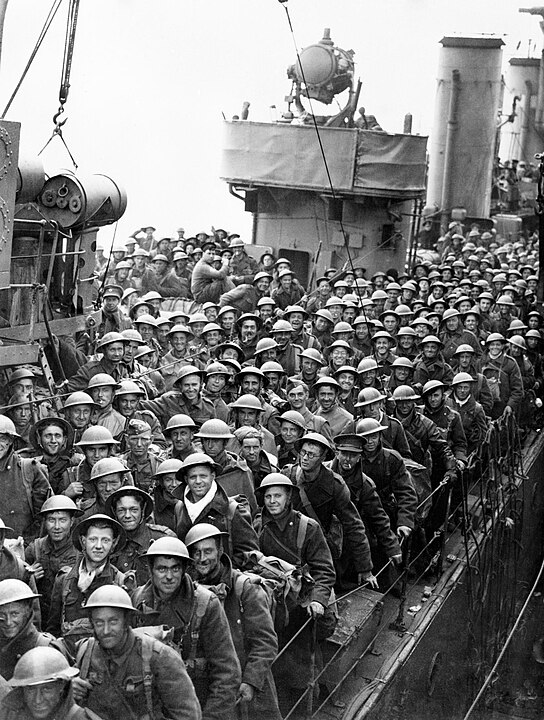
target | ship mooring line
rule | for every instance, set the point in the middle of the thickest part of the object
(505, 646)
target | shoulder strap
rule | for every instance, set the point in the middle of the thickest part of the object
(301, 533)
(239, 582)
(202, 600)
(307, 504)
(147, 651)
(83, 657)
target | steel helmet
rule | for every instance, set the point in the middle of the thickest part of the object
(272, 367)
(202, 531)
(332, 301)
(60, 502)
(7, 427)
(107, 466)
(265, 344)
(102, 380)
(42, 664)
(317, 438)
(168, 547)
(152, 295)
(145, 319)
(67, 429)
(110, 596)
(462, 377)
(495, 337)
(533, 334)
(385, 313)
(247, 402)
(179, 421)
(405, 392)
(382, 334)
(517, 324)
(168, 467)
(79, 398)
(217, 429)
(249, 316)
(134, 491)
(324, 314)
(96, 435)
(251, 370)
(449, 313)
(366, 364)
(211, 327)
(431, 385)
(518, 341)
(109, 338)
(313, 354)
(180, 329)
(345, 369)
(369, 426)
(265, 301)
(432, 339)
(274, 479)
(505, 300)
(406, 331)
(20, 374)
(159, 257)
(293, 417)
(368, 396)
(341, 344)
(294, 309)
(261, 276)
(403, 310)
(403, 362)
(82, 527)
(464, 348)
(327, 381)
(217, 368)
(195, 459)
(342, 327)
(187, 370)
(129, 387)
(132, 335)
(12, 590)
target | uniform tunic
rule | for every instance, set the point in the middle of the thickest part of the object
(208, 651)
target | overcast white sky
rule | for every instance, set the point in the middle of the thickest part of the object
(150, 81)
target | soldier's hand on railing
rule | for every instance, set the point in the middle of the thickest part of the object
(396, 559)
(315, 609)
(403, 531)
(460, 465)
(367, 578)
(246, 692)
(507, 410)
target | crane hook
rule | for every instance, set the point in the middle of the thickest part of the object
(59, 123)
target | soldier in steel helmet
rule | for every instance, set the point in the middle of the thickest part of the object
(52, 439)
(96, 538)
(132, 508)
(199, 626)
(112, 347)
(17, 630)
(165, 504)
(46, 555)
(23, 484)
(142, 457)
(125, 674)
(42, 688)
(204, 500)
(247, 608)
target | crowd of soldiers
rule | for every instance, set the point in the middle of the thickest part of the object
(174, 537)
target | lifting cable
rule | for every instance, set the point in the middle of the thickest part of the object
(43, 32)
(69, 41)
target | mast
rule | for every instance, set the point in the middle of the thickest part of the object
(3, 8)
